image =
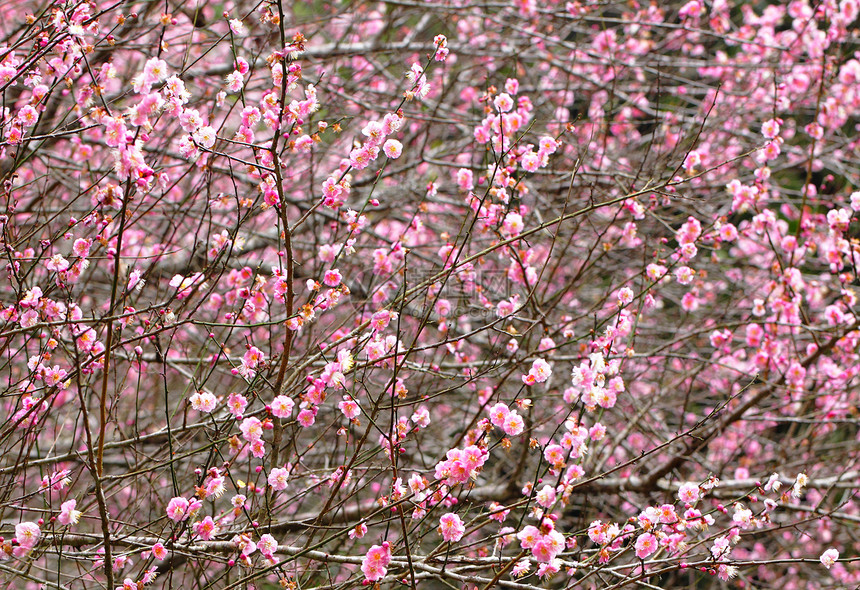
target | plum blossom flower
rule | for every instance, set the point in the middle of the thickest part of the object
(512, 226)
(829, 557)
(178, 509)
(245, 545)
(332, 278)
(349, 407)
(252, 429)
(547, 570)
(58, 480)
(159, 551)
(68, 515)
(214, 486)
(155, 70)
(135, 281)
(554, 454)
(539, 372)
(441, 43)
(234, 81)
(773, 483)
(684, 275)
(530, 161)
(498, 414)
(392, 149)
(513, 424)
(461, 464)
(238, 27)
(375, 562)
(307, 417)
(267, 545)
(81, 247)
(688, 492)
(726, 572)
(770, 128)
(185, 285)
(799, 483)
(691, 10)
(692, 161)
(503, 102)
(528, 536)
(57, 263)
(521, 568)
(546, 496)
(282, 406)
(205, 136)
(236, 403)
(203, 401)
(206, 528)
(421, 417)
(279, 478)
(742, 516)
(645, 545)
(465, 180)
(28, 115)
(545, 543)
(451, 527)
(238, 501)
(625, 296)
(721, 547)
(27, 534)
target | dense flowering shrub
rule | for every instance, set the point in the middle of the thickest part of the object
(451, 294)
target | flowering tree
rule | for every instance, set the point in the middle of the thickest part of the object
(452, 294)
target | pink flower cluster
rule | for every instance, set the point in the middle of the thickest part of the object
(539, 372)
(508, 420)
(252, 360)
(180, 509)
(461, 465)
(589, 379)
(545, 542)
(451, 527)
(375, 562)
